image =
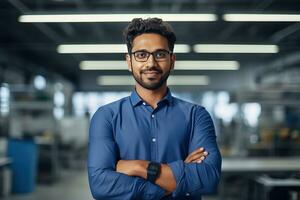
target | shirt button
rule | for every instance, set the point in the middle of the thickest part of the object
(153, 139)
(144, 103)
(152, 116)
(187, 194)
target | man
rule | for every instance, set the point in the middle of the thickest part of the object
(152, 145)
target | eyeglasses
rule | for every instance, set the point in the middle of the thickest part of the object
(159, 55)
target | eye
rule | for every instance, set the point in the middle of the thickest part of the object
(161, 54)
(141, 54)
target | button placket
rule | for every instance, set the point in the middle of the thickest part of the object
(153, 139)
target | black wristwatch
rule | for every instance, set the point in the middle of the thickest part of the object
(153, 171)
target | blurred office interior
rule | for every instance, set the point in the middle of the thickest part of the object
(60, 60)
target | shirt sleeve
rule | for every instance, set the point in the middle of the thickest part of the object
(195, 179)
(105, 182)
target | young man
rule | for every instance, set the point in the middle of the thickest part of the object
(152, 145)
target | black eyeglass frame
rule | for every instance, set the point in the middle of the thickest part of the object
(151, 53)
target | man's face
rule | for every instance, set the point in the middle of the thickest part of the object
(153, 73)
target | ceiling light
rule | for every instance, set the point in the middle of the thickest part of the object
(188, 80)
(179, 65)
(172, 80)
(262, 17)
(206, 65)
(92, 48)
(57, 18)
(182, 48)
(103, 65)
(108, 48)
(235, 48)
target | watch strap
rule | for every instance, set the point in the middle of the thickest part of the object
(153, 171)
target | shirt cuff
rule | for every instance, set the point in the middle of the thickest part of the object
(177, 168)
(150, 191)
(187, 178)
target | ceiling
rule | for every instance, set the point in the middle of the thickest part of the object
(32, 47)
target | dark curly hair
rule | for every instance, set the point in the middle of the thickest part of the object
(139, 26)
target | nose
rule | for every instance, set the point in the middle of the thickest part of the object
(151, 60)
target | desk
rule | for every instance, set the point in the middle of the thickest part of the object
(261, 165)
(243, 173)
(276, 188)
(271, 182)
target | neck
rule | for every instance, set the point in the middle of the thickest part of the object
(151, 97)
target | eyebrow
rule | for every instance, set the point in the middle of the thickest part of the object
(149, 51)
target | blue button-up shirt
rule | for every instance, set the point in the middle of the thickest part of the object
(129, 129)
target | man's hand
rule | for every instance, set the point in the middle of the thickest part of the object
(196, 156)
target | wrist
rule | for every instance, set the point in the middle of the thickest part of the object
(141, 168)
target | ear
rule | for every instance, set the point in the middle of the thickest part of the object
(173, 59)
(128, 60)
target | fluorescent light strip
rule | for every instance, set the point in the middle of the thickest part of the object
(262, 17)
(188, 80)
(92, 48)
(206, 65)
(179, 65)
(103, 65)
(57, 18)
(235, 48)
(172, 80)
(108, 48)
(182, 48)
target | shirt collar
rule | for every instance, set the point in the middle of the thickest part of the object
(136, 99)
(168, 98)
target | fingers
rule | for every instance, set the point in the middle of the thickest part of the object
(197, 151)
(196, 156)
(199, 157)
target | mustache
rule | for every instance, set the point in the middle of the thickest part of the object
(156, 69)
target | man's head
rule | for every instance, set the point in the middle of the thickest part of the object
(150, 57)
(140, 26)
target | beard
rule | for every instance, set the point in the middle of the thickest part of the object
(151, 84)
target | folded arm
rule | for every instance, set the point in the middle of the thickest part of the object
(195, 179)
(105, 182)
(194, 176)
(166, 179)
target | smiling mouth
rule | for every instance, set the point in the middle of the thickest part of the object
(151, 72)
(152, 75)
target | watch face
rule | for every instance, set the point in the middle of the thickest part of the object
(153, 167)
(153, 171)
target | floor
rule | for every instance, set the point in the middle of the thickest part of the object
(73, 185)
